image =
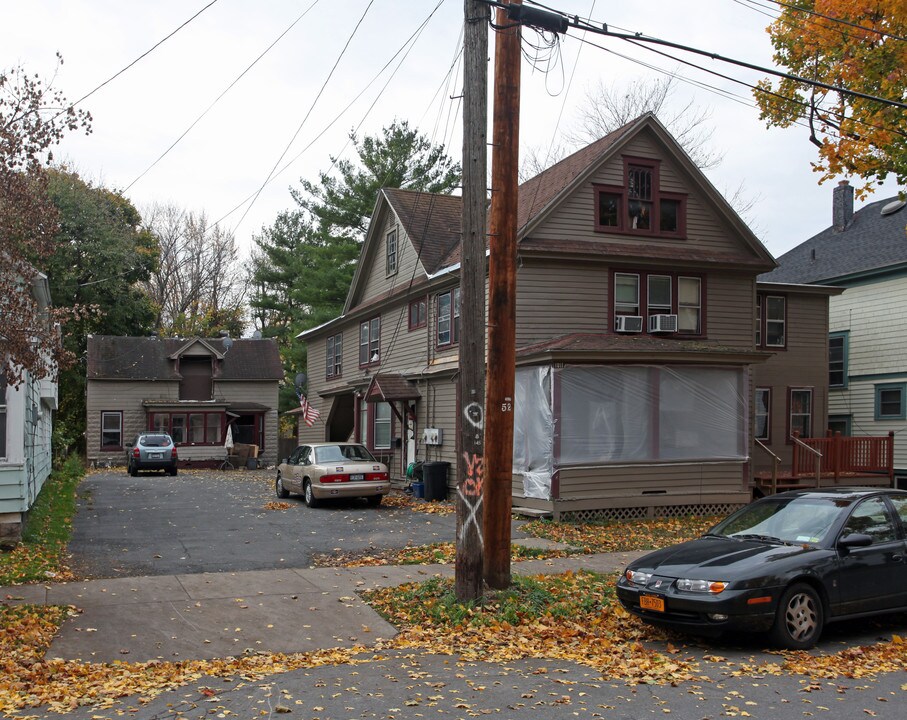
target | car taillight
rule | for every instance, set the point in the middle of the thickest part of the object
(377, 477)
(135, 452)
(173, 454)
(334, 478)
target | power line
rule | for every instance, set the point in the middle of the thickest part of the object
(410, 41)
(815, 13)
(306, 117)
(574, 21)
(144, 54)
(218, 98)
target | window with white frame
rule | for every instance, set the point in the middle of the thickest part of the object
(370, 342)
(763, 413)
(646, 294)
(334, 355)
(448, 330)
(112, 430)
(381, 431)
(774, 321)
(800, 405)
(391, 245)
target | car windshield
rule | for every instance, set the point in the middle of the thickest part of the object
(341, 453)
(154, 440)
(787, 520)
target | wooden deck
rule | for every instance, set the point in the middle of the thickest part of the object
(833, 461)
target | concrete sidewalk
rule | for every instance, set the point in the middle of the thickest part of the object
(209, 615)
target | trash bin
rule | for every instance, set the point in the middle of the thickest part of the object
(418, 490)
(435, 477)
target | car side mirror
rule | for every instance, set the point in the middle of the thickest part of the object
(853, 540)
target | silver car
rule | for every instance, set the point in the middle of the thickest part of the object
(151, 451)
(321, 471)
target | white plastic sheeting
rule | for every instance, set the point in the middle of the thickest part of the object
(533, 431)
(625, 414)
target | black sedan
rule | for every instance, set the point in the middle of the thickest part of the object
(785, 565)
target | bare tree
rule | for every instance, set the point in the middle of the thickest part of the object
(607, 108)
(200, 287)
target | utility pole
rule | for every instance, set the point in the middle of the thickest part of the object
(470, 462)
(502, 302)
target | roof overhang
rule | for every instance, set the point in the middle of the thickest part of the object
(389, 387)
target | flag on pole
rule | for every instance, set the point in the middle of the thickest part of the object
(309, 414)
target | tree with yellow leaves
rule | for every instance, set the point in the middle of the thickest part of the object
(858, 46)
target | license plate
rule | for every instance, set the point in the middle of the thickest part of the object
(357, 476)
(652, 602)
(155, 456)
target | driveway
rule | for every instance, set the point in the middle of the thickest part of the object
(212, 521)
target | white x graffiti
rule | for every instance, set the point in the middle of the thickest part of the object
(471, 519)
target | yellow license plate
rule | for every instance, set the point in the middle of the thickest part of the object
(651, 602)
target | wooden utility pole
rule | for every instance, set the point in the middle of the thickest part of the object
(502, 302)
(470, 462)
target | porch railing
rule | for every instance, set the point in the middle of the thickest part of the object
(776, 463)
(843, 456)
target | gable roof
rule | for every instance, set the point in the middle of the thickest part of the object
(870, 243)
(431, 220)
(113, 357)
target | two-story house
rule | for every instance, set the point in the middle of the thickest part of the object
(26, 423)
(637, 345)
(197, 390)
(864, 255)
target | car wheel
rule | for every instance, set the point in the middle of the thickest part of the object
(374, 500)
(281, 491)
(310, 498)
(799, 619)
(132, 469)
(172, 471)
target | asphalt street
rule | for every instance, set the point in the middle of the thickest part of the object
(216, 523)
(211, 521)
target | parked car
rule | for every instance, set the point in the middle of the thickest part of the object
(332, 470)
(786, 564)
(151, 451)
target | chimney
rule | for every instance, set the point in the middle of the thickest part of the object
(842, 206)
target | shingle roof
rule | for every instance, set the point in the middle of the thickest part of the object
(872, 241)
(147, 358)
(431, 221)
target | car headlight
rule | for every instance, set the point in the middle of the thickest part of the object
(637, 577)
(702, 586)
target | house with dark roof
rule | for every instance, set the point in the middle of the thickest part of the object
(26, 424)
(864, 255)
(199, 390)
(637, 342)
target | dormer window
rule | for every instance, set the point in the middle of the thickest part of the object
(640, 206)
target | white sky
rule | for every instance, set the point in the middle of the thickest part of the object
(228, 155)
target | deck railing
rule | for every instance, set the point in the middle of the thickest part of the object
(776, 463)
(843, 456)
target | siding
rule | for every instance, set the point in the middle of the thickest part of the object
(377, 281)
(706, 229)
(858, 401)
(804, 363)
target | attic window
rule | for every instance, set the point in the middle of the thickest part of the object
(640, 206)
(391, 245)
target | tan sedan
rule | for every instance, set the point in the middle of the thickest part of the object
(321, 471)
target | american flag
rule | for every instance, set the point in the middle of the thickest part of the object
(309, 414)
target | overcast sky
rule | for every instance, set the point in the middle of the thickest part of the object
(295, 108)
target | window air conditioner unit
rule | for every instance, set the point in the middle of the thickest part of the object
(628, 323)
(663, 323)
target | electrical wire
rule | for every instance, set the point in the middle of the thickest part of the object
(219, 97)
(306, 117)
(407, 47)
(841, 21)
(144, 54)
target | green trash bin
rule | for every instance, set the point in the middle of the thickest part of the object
(434, 475)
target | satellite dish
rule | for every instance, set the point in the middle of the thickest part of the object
(228, 342)
(301, 380)
(256, 335)
(892, 207)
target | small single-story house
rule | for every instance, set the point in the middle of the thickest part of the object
(199, 390)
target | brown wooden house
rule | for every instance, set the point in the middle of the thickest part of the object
(194, 389)
(637, 345)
